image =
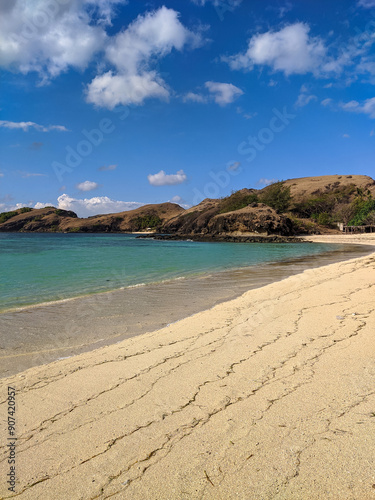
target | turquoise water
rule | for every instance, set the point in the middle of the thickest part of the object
(37, 268)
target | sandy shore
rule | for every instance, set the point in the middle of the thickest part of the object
(353, 239)
(270, 395)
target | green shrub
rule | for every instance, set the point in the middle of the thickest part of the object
(276, 196)
(146, 221)
(324, 219)
(236, 201)
(363, 210)
(4, 216)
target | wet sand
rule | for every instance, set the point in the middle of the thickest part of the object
(36, 335)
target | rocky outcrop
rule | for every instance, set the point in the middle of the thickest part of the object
(255, 219)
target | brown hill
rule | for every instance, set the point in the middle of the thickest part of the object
(306, 187)
(306, 205)
(51, 219)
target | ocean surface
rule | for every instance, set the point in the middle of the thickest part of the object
(36, 268)
(50, 301)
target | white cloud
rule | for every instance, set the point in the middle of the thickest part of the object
(110, 90)
(105, 168)
(26, 175)
(291, 50)
(192, 96)
(163, 179)
(372, 133)
(367, 107)
(266, 182)
(97, 205)
(1, 174)
(326, 102)
(305, 98)
(26, 125)
(223, 93)
(42, 205)
(87, 186)
(229, 4)
(50, 36)
(132, 52)
(346, 136)
(367, 4)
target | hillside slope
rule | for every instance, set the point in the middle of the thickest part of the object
(51, 219)
(297, 206)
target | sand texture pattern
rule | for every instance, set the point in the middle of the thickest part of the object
(268, 396)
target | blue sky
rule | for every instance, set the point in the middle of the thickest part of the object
(109, 104)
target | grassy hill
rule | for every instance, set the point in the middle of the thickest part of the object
(296, 206)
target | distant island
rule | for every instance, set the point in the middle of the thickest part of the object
(285, 209)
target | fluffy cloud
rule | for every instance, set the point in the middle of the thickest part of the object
(223, 93)
(367, 107)
(291, 50)
(40, 205)
(26, 125)
(87, 186)
(163, 179)
(93, 206)
(110, 90)
(50, 36)
(132, 52)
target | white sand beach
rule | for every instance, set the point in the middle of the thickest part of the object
(268, 396)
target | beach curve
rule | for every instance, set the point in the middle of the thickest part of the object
(270, 395)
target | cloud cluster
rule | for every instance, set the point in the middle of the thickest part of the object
(293, 50)
(305, 97)
(26, 125)
(93, 206)
(163, 179)
(82, 207)
(49, 36)
(132, 53)
(367, 107)
(221, 93)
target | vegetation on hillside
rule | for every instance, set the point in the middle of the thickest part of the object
(147, 221)
(4, 216)
(236, 201)
(363, 208)
(276, 196)
(327, 207)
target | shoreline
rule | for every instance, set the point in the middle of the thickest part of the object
(49, 331)
(267, 395)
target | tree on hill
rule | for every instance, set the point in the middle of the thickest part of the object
(276, 196)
